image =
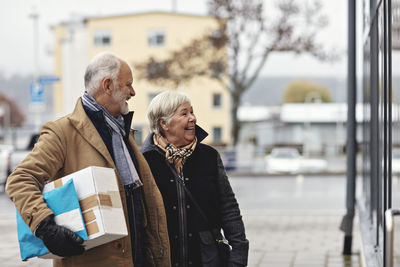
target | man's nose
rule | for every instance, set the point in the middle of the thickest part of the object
(132, 91)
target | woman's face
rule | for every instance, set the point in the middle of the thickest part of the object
(180, 131)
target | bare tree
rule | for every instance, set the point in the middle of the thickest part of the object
(16, 116)
(247, 35)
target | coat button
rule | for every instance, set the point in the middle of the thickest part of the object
(188, 206)
(174, 207)
(171, 181)
(190, 235)
(186, 179)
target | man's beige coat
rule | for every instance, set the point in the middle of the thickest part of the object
(67, 145)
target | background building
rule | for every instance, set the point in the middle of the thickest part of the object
(137, 37)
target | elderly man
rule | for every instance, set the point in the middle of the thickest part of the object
(97, 133)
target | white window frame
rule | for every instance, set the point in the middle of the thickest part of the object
(220, 134)
(99, 36)
(153, 37)
(219, 105)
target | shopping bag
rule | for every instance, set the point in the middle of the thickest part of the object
(64, 203)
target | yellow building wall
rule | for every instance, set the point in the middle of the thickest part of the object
(129, 40)
(59, 34)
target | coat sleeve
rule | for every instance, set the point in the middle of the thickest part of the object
(24, 185)
(231, 219)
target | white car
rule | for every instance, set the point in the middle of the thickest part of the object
(283, 160)
(5, 160)
(289, 160)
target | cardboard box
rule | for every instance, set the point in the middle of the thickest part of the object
(100, 202)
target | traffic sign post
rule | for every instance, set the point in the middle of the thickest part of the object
(36, 97)
(37, 101)
(48, 79)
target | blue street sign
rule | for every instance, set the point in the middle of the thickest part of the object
(36, 93)
(48, 79)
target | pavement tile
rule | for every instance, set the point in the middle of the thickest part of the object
(281, 238)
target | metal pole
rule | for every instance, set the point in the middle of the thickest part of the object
(36, 72)
(347, 222)
(35, 16)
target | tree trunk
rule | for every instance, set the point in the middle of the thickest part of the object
(235, 120)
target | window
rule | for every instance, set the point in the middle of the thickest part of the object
(156, 37)
(102, 37)
(217, 100)
(217, 134)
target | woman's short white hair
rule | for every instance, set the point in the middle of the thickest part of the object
(103, 65)
(163, 107)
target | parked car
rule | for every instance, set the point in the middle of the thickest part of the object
(228, 158)
(5, 159)
(283, 160)
(10, 157)
(288, 160)
(18, 155)
(313, 165)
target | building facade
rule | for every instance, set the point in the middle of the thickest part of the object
(315, 129)
(379, 200)
(137, 37)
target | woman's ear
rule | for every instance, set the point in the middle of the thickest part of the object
(163, 125)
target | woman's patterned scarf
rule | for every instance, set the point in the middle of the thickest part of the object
(174, 155)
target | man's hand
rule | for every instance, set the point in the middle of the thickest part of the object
(59, 240)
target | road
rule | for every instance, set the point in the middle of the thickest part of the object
(290, 221)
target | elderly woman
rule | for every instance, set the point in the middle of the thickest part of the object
(198, 198)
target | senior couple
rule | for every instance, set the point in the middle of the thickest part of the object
(175, 192)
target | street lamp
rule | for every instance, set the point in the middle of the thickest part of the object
(36, 72)
(35, 17)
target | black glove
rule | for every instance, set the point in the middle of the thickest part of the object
(59, 240)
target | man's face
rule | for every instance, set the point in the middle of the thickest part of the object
(123, 91)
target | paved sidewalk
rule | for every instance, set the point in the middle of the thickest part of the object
(276, 240)
(294, 240)
(290, 222)
(9, 249)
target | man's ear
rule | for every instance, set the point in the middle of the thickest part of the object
(107, 85)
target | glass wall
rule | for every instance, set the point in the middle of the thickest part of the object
(395, 51)
(381, 127)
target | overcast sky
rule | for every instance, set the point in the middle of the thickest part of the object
(16, 31)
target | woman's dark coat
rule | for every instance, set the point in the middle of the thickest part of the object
(205, 177)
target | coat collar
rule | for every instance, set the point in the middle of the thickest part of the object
(149, 143)
(82, 123)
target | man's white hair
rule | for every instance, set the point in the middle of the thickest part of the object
(103, 65)
(163, 107)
